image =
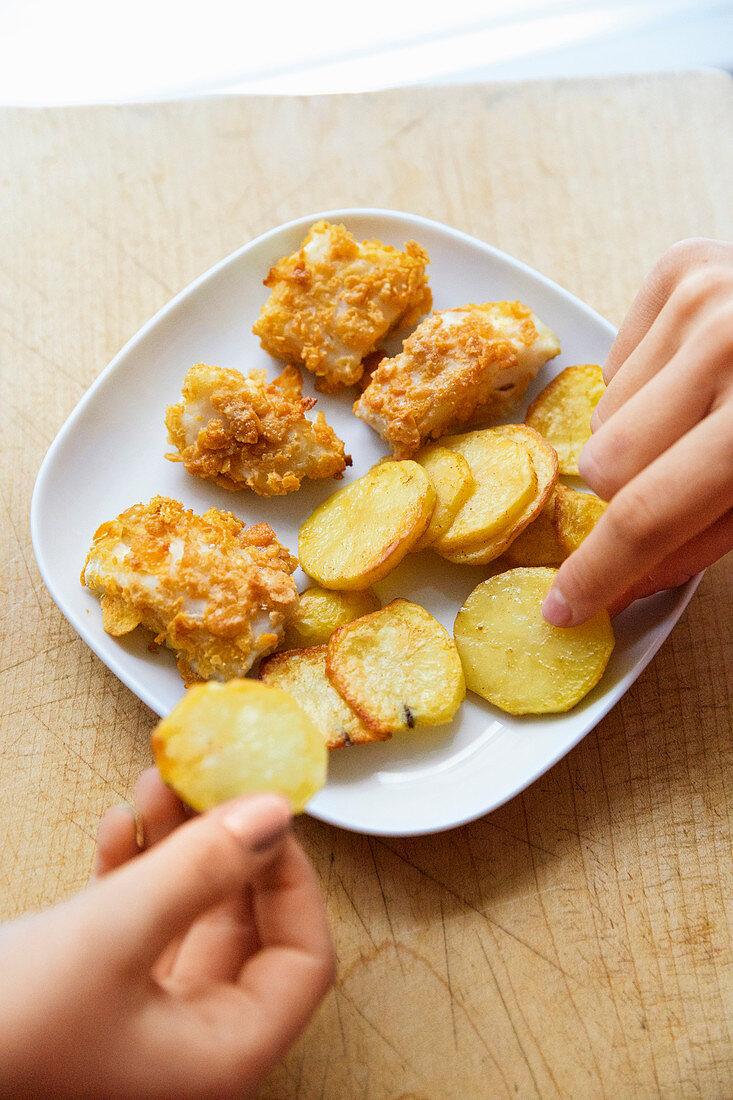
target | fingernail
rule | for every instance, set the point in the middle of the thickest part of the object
(126, 808)
(259, 822)
(269, 839)
(131, 809)
(556, 610)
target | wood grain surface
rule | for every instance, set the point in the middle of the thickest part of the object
(576, 942)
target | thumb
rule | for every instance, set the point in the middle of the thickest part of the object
(156, 897)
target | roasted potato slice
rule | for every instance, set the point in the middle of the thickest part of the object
(515, 659)
(223, 740)
(542, 453)
(358, 536)
(561, 412)
(538, 543)
(302, 673)
(453, 483)
(544, 463)
(576, 514)
(504, 483)
(397, 668)
(321, 610)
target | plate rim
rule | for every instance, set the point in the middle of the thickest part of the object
(612, 697)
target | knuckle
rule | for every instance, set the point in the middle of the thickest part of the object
(208, 852)
(695, 289)
(686, 252)
(631, 519)
(686, 256)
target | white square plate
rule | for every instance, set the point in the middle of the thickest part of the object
(110, 455)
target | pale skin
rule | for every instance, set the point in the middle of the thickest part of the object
(662, 445)
(186, 969)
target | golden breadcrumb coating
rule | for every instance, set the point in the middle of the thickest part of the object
(336, 298)
(214, 591)
(460, 367)
(245, 432)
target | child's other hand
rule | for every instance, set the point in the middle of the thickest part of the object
(662, 445)
(186, 970)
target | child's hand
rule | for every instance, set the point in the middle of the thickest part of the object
(188, 971)
(662, 445)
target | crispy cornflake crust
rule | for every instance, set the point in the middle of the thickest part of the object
(211, 589)
(460, 367)
(302, 674)
(561, 412)
(336, 298)
(245, 432)
(544, 460)
(397, 668)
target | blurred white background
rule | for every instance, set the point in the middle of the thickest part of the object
(86, 51)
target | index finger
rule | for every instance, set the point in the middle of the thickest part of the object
(670, 502)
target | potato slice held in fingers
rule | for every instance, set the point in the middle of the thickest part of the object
(364, 530)
(224, 740)
(576, 514)
(321, 610)
(397, 668)
(505, 482)
(453, 483)
(302, 674)
(519, 662)
(561, 412)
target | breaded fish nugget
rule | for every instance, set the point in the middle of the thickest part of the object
(459, 367)
(245, 432)
(336, 298)
(213, 590)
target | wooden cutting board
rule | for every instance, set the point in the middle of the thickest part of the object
(576, 942)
